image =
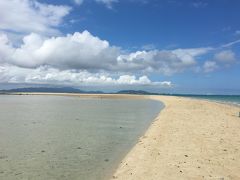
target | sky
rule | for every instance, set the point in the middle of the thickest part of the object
(170, 46)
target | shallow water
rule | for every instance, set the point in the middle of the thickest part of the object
(230, 99)
(56, 137)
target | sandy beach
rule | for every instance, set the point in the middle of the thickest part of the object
(190, 139)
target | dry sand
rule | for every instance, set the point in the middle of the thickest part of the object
(190, 139)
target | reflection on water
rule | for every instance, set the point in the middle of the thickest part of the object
(54, 137)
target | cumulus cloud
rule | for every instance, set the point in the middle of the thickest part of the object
(210, 66)
(226, 56)
(27, 16)
(166, 62)
(44, 74)
(76, 51)
(5, 48)
(83, 51)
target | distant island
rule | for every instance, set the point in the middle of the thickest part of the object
(71, 90)
(76, 90)
(50, 90)
(140, 92)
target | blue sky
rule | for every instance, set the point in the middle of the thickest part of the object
(188, 46)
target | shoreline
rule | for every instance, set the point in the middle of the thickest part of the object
(189, 139)
(234, 104)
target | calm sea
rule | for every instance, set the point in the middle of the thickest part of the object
(68, 138)
(231, 99)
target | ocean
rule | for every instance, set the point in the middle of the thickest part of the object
(60, 137)
(229, 99)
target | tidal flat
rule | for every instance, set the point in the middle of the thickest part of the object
(60, 137)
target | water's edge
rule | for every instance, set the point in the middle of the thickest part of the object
(137, 140)
(225, 102)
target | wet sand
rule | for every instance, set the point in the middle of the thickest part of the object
(190, 139)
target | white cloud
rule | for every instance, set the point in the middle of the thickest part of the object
(230, 44)
(143, 80)
(76, 51)
(210, 66)
(87, 52)
(6, 49)
(44, 74)
(226, 56)
(27, 16)
(162, 61)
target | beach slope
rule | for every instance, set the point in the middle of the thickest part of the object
(190, 139)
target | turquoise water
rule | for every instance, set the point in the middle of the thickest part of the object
(231, 99)
(68, 138)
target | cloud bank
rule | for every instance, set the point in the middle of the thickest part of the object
(83, 51)
(44, 75)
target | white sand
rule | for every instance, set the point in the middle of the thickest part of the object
(190, 139)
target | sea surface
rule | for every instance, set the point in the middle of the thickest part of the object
(229, 99)
(68, 138)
